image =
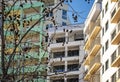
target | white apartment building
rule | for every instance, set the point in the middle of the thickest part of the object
(59, 14)
(66, 54)
(110, 39)
(107, 67)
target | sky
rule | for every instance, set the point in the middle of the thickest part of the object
(81, 7)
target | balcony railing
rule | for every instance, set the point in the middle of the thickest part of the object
(95, 47)
(58, 69)
(92, 28)
(115, 35)
(73, 53)
(73, 67)
(116, 58)
(73, 80)
(115, 15)
(93, 67)
(95, 61)
(58, 54)
(114, 0)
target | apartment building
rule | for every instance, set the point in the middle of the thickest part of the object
(60, 14)
(66, 54)
(102, 42)
(29, 60)
(93, 45)
(110, 39)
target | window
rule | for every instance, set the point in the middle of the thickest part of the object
(113, 57)
(73, 67)
(58, 68)
(106, 45)
(103, 69)
(49, 26)
(107, 81)
(78, 37)
(113, 13)
(61, 39)
(106, 26)
(103, 31)
(58, 54)
(113, 78)
(113, 34)
(64, 24)
(102, 50)
(58, 80)
(106, 7)
(73, 80)
(119, 73)
(73, 53)
(106, 64)
(64, 14)
(102, 13)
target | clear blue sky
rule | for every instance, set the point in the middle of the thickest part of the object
(82, 9)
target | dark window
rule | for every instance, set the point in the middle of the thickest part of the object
(102, 13)
(107, 81)
(58, 54)
(106, 26)
(103, 69)
(113, 34)
(119, 73)
(113, 13)
(78, 37)
(73, 80)
(73, 53)
(113, 78)
(58, 68)
(102, 50)
(58, 80)
(113, 57)
(64, 24)
(73, 67)
(49, 26)
(64, 14)
(59, 40)
(106, 45)
(106, 7)
(106, 64)
(103, 31)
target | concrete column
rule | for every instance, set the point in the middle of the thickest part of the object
(65, 65)
(65, 79)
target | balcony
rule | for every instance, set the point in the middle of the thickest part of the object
(87, 77)
(114, 0)
(95, 32)
(86, 62)
(95, 47)
(115, 15)
(94, 29)
(116, 58)
(87, 44)
(94, 66)
(116, 35)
